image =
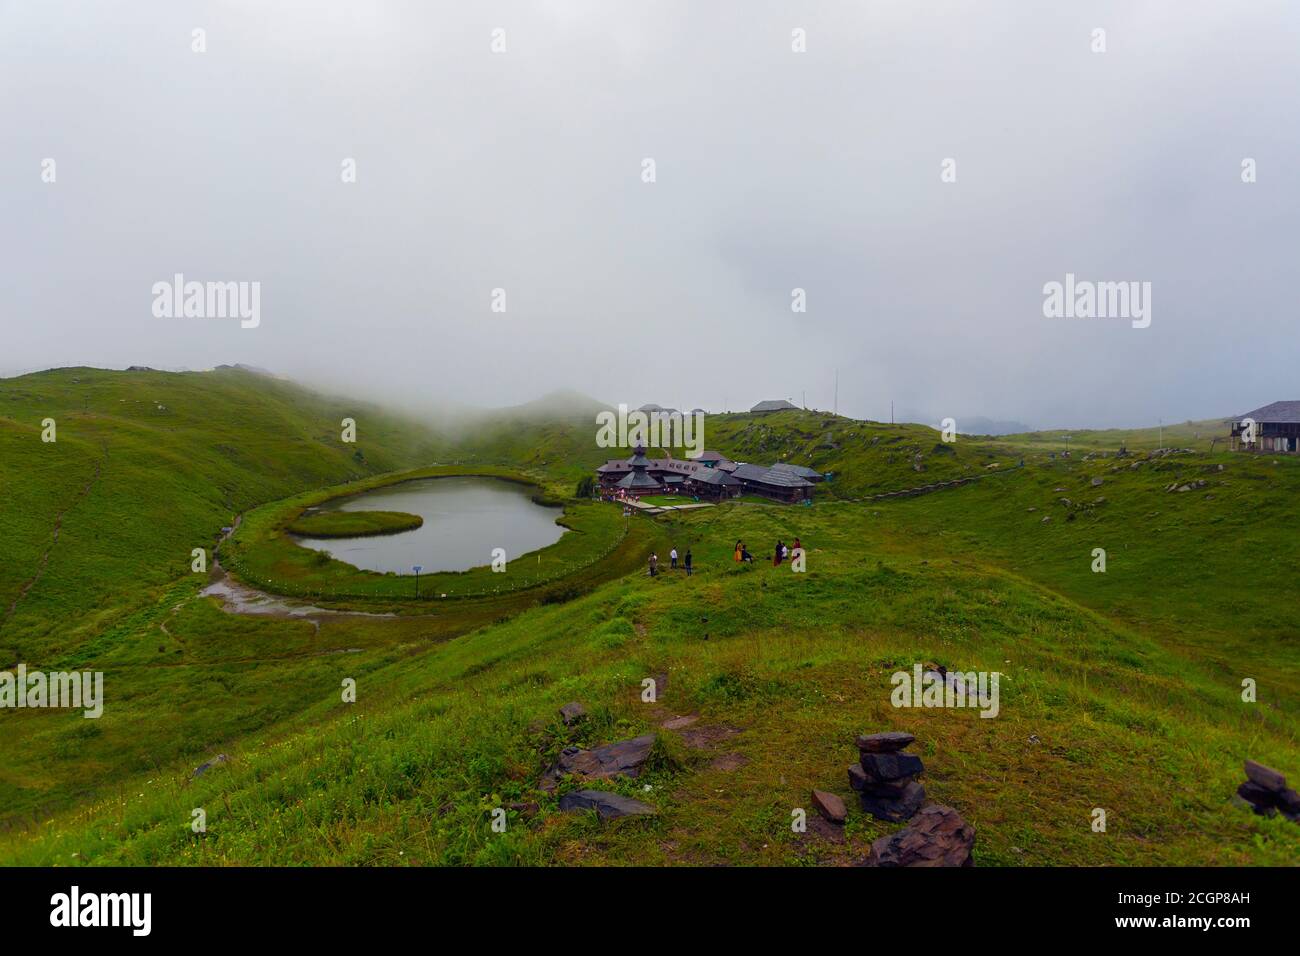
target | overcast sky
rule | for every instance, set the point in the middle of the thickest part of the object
(775, 170)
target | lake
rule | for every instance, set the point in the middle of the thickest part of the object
(464, 519)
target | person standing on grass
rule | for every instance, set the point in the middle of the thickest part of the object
(740, 549)
(688, 562)
(654, 563)
(776, 554)
(797, 543)
(672, 558)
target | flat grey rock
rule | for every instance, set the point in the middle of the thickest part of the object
(623, 758)
(609, 806)
(888, 742)
(1266, 777)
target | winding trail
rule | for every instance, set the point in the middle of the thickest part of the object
(239, 598)
(58, 526)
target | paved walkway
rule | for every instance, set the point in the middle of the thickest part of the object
(660, 509)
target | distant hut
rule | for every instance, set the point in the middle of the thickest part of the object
(774, 405)
(1277, 429)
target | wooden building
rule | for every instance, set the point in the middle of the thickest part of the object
(710, 476)
(1276, 429)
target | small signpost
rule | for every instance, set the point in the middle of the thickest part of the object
(417, 568)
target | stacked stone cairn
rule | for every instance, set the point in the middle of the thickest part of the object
(1267, 793)
(885, 777)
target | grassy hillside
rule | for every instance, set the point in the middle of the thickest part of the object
(866, 457)
(96, 535)
(782, 670)
(146, 467)
(1121, 689)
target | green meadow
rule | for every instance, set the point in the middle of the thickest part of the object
(1121, 689)
(353, 524)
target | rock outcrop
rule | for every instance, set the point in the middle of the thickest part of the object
(609, 806)
(624, 758)
(937, 837)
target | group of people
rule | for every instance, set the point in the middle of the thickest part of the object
(779, 554)
(672, 558)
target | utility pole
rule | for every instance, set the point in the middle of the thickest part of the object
(891, 411)
(417, 568)
(837, 393)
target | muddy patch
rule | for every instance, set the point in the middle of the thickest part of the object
(679, 723)
(703, 738)
(728, 762)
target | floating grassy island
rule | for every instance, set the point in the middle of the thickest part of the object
(354, 524)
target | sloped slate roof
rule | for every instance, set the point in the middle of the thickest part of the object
(799, 470)
(713, 476)
(1276, 413)
(614, 465)
(784, 479)
(770, 476)
(637, 481)
(707, 455)
(772, 405)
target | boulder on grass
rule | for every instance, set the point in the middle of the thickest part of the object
(203, 768)
(830, 806)
(608, 806)
(937, 837)
(1266, 777)
(623, 758)
(572, 712)
(1261, 801)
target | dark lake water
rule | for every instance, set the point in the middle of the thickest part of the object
(464, 519)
